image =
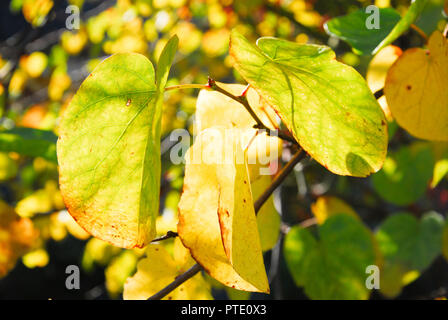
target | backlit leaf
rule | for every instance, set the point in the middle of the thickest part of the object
(326, 207)
(215, 109)
(109, 149)
(405, 175)
(156, 271)
(414, 11)
(409, 247)
(216, 215)
(29, 142)
(415, 90)
(325, 104)
(352, 29)
(333, 267)
(268, 219)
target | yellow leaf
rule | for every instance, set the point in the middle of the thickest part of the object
(377, 72)
(268, 219)
(215, 109)
(416, 90)
(216, 217)
(326, 207)
(158, 270)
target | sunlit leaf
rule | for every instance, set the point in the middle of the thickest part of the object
(29, 142)
(409, 247)
(109, 149)
(326, 207)
(268, 219)
(216, 215)
(333, 267)
(405, 175)
(377, 72)
(156, 271)
(118, 270)
(441, 165)
(415, 90)
(326, 104)
(352, 28)
(414, 11)
(215, 109)
(445, 241)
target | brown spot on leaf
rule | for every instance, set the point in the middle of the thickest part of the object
(128, 103)
(408, 87)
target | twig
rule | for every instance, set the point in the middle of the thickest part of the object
(169, 235)
(243, 100)
(279, 179)
(379, 94)
(258, 204)
(177, 282)
(187, 86)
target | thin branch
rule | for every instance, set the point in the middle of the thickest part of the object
(169, 235)
(187, 86)
(243, 100)
(177, 282)
(379, 94)
(300, 155)
(257, 206)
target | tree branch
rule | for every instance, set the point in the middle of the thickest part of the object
(169, 235)
(257, 206)
(243, 100)
(177, 282)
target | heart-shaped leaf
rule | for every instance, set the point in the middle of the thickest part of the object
(416, 90)
(325, 104)
(405, 175)
(408, 247)
(216, 214)
(333, 267)
(109, 148)
(352, 29)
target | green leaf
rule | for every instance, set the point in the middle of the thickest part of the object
(333, 267)
(325, 104)
(109, 149)
(409, 247)
(352, 29)
(405, 175)
(29, 142)
(403, 25)
(430, 17)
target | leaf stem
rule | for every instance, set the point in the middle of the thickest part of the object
(187, 86)
(243, 100)
(297, 157)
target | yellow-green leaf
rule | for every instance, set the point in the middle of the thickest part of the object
(216, 215)
(156, 271)
(109, 149)
(326, 105)
(326, 207)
